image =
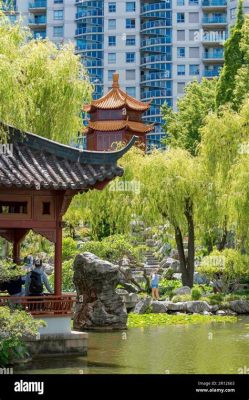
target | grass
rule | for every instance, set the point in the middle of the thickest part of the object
(136, 320)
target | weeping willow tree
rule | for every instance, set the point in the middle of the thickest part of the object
(111, 210)
(222, 137)
(42, 86)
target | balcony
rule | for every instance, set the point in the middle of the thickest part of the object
(38, 5)
(89, 29)
(156, 41)
(161, 23)
(211, 73)
(214, 4)
(214, 20)
(213, 57)
(89, 13)
(149, 94)
(155, 7)
(214, 38)
(38, 22)
(156, 58)
(156, 76)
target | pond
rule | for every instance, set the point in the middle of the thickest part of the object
(188, 349)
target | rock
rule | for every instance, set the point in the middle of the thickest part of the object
(180, 306)
(170, 263)
(220, 312)
(200, 279)
(230, 312)
(49, 269)
(239, 306)
(99, 307)
(130, 299)
(142, 306)
(182, 290)
(206, 313)
(177, 276)
(158, 306)
(214, 308)
(197, 306)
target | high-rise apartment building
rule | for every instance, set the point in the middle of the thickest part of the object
(155, 46)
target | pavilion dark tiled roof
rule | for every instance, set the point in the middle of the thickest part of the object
(38, 163)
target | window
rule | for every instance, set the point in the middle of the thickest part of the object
(194, 17)
(193, 2)
(58, 14)
(180, 87)
(131, 91)
(111, 58)
(180, 18)
(112, 40)
(232, 13)
(130, 6)
(112, 7)
(130, 23)
(58, 1)
(194, 69)
(194, 52)
(58, 31)
(130, 40)
(193, 33)
(180, 36)
(46, 208)
(180, 52)
(13, 207)
(111, 24)
(130, 74)
(180, 2)
(110, 73)
(130, 57)
(180, 69)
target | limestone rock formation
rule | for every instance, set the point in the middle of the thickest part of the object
(98, 307)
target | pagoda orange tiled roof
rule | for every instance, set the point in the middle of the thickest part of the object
(108, 126)
(116, 98)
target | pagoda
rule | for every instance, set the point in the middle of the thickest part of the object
(115, 117)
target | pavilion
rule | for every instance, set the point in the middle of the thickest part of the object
(37, 184)
(114, 118)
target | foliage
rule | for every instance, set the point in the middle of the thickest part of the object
(182, 127)
(166, 286)
(181, 297)
(42, 86)
(13, 326)
(136, 320)
(67, 277)
(196, 293)
(69, 248)
(114, 248)
(233, 61)
(230, 264)
(36, 245)
(8, 271)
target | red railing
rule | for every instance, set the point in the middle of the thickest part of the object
(47, 305)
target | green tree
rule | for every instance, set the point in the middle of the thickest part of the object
(233, 61)
(42, 87)
(182, 127)
(172, 187)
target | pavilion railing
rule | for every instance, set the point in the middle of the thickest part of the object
(47, 305)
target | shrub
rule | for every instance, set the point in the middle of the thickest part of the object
(13, 326)
(196, 293)
(181, 297)
(69, 248)
(166, 286)
(67, 277)
(230, 264)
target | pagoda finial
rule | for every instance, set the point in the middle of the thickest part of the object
(115, 83)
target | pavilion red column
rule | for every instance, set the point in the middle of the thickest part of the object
(58, 261)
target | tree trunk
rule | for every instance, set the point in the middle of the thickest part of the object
(222, 243)
(191, 243)
(187, 264)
